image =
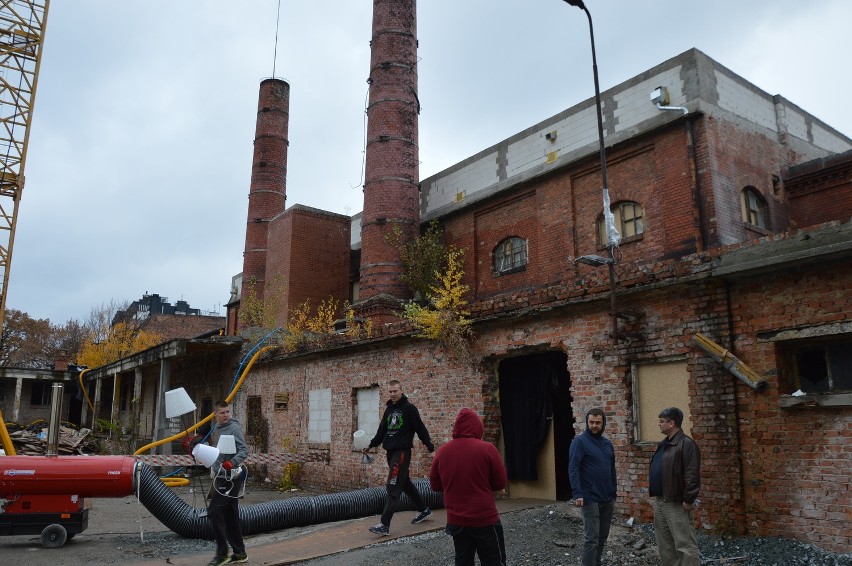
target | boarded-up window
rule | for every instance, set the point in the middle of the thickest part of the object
(367, 401)
(319, 415)
(655, 387)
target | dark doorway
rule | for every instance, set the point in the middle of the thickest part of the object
(534, 390)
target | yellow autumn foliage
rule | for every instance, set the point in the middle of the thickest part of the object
(447, 320)
(122, 340)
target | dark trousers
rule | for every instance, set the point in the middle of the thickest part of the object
(224, 514)
(399, 482)
(597, 518)
(487, 542)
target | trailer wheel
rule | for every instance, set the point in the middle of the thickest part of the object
(53, 536)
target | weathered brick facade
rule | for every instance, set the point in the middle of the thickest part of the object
(766, 469)
(770, 461)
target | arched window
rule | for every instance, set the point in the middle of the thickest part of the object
(629, 219)
(754, 208)
(510, 255)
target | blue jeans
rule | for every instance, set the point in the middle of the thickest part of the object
(597, 518)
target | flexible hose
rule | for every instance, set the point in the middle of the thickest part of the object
(189, 522)
(206, 419)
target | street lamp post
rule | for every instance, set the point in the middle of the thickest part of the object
(611, 244)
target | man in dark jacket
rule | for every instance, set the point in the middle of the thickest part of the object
(675, 478)
(591, 468)
(469, 470)
(396, 435)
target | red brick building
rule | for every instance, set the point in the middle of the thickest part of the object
(733, 207)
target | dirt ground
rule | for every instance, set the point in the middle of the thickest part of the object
(123, 531)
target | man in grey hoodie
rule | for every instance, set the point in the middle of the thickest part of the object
(229, 476)
(591, 468)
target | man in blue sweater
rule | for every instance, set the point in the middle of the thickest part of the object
(591, 468)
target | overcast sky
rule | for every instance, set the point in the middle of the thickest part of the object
(139, 160)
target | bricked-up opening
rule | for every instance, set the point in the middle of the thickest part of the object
(535, 391)
(657, 385)
(821, 367)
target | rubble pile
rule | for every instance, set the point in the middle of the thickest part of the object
(32, 441)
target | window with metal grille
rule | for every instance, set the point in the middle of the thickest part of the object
(754, 208)
(510, 255)
(629, 220)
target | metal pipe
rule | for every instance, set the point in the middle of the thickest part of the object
(683, 109)
(55, 418)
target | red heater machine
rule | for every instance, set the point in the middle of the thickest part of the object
(47, 495)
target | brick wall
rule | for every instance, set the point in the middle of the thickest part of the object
(308, 258)
(820, 191)
(765, 470)
(795, 460)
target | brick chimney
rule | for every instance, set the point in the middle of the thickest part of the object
(267, 192)
(391, 179)
(60, 360)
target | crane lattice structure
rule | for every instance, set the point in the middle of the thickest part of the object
(22, 25)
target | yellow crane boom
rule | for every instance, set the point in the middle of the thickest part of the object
(22, 25)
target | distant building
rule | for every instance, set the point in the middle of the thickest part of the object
(154, 304)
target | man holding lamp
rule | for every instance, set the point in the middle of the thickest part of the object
(229, 476)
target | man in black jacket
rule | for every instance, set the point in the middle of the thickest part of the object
(396, 435)
(675, 479)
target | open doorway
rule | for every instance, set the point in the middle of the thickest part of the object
(537, 419)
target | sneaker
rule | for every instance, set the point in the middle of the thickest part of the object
(219, 560)
(380, 529)
(237, 558)
(421, 516)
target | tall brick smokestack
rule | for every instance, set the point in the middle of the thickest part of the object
(391, 179)
(267, 192)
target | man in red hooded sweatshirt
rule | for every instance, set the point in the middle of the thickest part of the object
(469, 470)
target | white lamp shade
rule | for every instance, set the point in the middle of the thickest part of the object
(226, 444)
(205, 454)
(178, 403)
(360, 440)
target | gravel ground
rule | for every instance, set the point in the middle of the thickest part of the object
(544, 536)
(553, 536)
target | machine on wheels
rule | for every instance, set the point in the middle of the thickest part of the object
(47, 495)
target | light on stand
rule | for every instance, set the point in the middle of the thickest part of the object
(178, 403)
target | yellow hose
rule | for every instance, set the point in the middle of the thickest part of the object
(228, 399)
(85, 393)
